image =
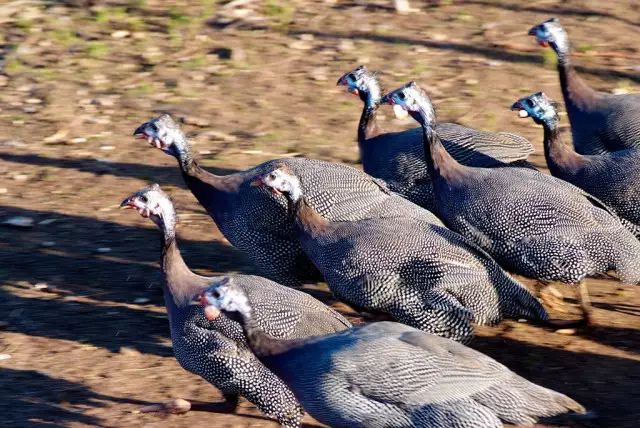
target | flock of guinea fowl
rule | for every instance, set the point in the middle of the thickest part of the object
(423, 236)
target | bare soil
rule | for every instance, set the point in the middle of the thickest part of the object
(251, 82)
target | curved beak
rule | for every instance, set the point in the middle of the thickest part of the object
(342, 81)
(516, 105)
(533, 31)
(127, 204)
(140, 132)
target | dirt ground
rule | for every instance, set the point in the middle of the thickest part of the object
(83, 334)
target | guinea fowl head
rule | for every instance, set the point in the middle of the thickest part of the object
(224, 295)
(551, 33)
(363, 83)
(537, 106)
(151, 202)
(414, 100)
(165, 134)
(280, 181)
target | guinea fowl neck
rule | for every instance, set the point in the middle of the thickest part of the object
(578, 96)
(308, 220)
(180, 283)
(262, 344)
(561, 157)
(439, 162)
(199, 180)
(368, 126)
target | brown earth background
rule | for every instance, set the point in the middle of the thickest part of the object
(83, 334)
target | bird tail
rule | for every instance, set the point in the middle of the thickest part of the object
(519, 401)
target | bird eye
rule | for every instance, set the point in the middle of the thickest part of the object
(530, 103)
(272, 176)
(144, 199)
(215, 294)
(402, 96)
(153, 127)
(351, 76)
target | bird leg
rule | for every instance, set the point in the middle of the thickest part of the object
(585, 302)
(550, 296)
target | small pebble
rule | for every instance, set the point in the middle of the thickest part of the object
(5, 357)
(141, 300)
(40, 286)
(107, 147)
(120, 34)
(566, 331)
(79, 140)
(130, 352)
(300, 45)
(20, 177)
(172, 406)
(47, 221)
(3, 190)
(47, 244)
(19, 221)
(103, 250)
(34, 101)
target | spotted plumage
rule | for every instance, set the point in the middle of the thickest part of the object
(398, 157)
(256, 221)
(389, 375)
(217, 350)
(412, 268)
(532, 223)
(612, 177)
(600, 122)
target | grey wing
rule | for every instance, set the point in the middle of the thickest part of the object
(479, 148)
(338, 192)
(287, 313)
(598, 204)
(430, 370)
(424, 368)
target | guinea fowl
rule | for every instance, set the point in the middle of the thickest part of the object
(217, 350)
(600, 122)
(398, 157)
(611, 177)
(414, 269)
(385, 374)
(533, 224)
(255, 221)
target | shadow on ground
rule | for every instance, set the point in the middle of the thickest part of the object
(32, 399)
